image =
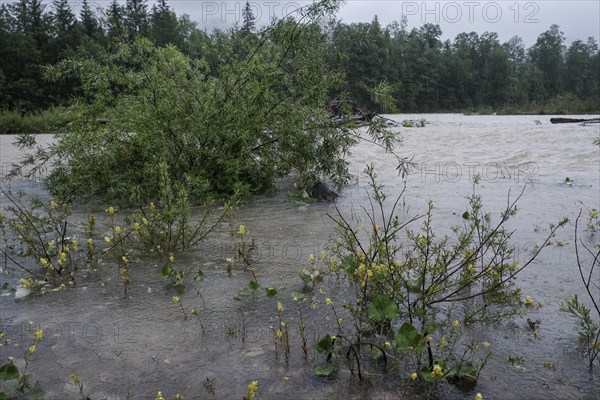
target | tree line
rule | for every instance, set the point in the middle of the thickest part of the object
(422, 72)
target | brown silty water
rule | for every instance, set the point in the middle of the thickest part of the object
(143, 343)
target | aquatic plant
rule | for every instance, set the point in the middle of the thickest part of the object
(15, 383)
(423, 291)
(589, 327)
(40, 231)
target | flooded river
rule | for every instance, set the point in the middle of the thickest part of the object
(142, 342)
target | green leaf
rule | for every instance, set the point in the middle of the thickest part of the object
(383, 308)
(325, 345)
(466, 215)
(408, 338)
(165, 271)
(324, 371)
(431, 328)
(254, 285)
(9, 372)
(271, 291)
(464, 372)
(199, 276)
(428, 376)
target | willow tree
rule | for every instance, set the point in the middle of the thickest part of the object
(220, 133)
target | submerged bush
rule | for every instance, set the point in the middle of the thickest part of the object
(221, 131)
(416, 294)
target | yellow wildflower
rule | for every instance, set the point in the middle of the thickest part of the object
(194, 311)
(51, 245)
(442, 342)
(422, 240)
(478, 396)
(171, 258)
(144, 221)
(437, 370)
(242, 230)
(125, 260)
(279, 307)
(111, 210)
(44, 262)
(53, 205)
(136, 226)
(328, 301)
(528, 301)
(32, 349)
(333, 337)
(106, 239)
(176, 299)
(311, 258)
(486, 344)
(26, 282)
(413, 376)
(159, 396)
(117, 230)
(252, 389)
(75, 244)
(279, 334)
(39, 335)
(322, 255)
(90, 242)
(74, 378)
(387, 344)
(455, 324)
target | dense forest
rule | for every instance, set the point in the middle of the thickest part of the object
(474, 72)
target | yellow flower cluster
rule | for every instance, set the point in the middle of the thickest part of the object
(27, 283)
(242, 230)
(442, 343)
(39, 335)
(279, 307)
(117, 230)
(328, 302)
(252, 389)
(176, 299)
(63, 256)
(159, 396)
(455, 324)
(111, 210)
(413, 376)
(437, 370)
(528, 301)
(44, 262)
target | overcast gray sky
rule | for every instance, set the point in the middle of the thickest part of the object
(577, 19)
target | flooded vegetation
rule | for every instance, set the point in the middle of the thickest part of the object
(270, 303)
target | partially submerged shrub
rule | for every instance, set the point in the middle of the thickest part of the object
(417, 294)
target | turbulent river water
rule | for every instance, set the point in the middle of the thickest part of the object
(144, 344)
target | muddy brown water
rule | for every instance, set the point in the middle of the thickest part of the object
(143, 343)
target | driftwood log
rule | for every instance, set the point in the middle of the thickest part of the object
(573, 120)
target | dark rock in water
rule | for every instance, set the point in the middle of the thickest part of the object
(321, 192)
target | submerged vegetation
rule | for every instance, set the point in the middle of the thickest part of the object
(163, 144)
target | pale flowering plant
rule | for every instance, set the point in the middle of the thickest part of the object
(424, 291)
(43, 234)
